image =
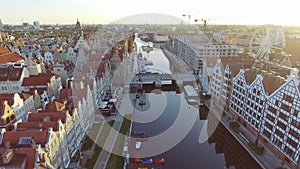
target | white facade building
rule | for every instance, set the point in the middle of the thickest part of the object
(71, 55)
(48, 57)
(267, 104)
(11, 79)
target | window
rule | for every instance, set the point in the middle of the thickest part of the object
(281, 125)
(285, 107)
(287, 98)
(296, 113)
(294, 134)
(272, 110)
(258, 92)
(292, 143)
(267, 134)
(283, 116)
(278, 142)
(272, 119)
(289, 151)
(296, 123)
(269, 126)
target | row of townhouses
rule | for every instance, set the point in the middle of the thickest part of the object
(55, 133)
(47, 108)
(264, 97)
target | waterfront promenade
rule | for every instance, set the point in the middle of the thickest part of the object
(109, 145)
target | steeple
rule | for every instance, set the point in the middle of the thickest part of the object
(78, 28)
(78, 24)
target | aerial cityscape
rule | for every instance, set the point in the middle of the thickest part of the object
(112, 85)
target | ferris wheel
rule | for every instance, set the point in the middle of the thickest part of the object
(267, 40)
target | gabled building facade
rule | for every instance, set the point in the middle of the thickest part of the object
(11, 79)
(267, 105)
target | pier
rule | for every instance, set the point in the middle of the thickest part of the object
(156, 79)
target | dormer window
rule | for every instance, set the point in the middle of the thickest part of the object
(25, 141)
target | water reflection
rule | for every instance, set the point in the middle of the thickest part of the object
(234, 154)
(220, 151)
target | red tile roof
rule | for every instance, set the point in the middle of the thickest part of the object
(25, 95)
(235, 68)
(250, 75)
(272, 83)
(10, 57)
(41, 79)
(3, 50)
(55, 106)
(101, 70)
(8, 97)
(39, 137)
(211, 61)
(30, 153)
(273, 67)
(15, 74)
(11, 74)
(43, 115)
(292, 47)
(33, 125)
(4, 74)
(72, 93)
(235, 64)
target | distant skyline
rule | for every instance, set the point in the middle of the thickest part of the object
(255, 12)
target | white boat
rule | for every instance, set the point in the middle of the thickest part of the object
(138, 145)
(192, 101)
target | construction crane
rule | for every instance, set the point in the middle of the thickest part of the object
(188, 15)
(204, 23)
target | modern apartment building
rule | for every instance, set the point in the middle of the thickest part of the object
(196, 49)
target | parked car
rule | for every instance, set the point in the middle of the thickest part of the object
(147, 160)
(159, 160)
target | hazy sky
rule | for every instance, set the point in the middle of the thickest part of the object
(105, 11)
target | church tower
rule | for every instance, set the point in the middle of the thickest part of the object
(78, 28)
